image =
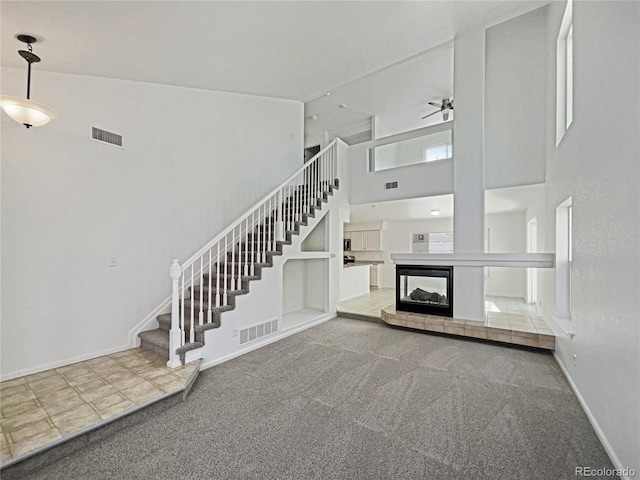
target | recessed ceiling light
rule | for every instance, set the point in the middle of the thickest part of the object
(435, 211)
(327, 94)
(313, 117)
(342, 105)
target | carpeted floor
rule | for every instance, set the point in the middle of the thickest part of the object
(351, 400)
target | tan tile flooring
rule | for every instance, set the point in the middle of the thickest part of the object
(41, 409)
(510, 320)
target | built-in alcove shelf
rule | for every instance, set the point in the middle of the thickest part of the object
(526, 260)
(305, 288)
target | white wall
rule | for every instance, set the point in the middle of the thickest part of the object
(515, 101)
(507, 235)
(597, 164)
(414, 181)
(193, 161)
(386, 156)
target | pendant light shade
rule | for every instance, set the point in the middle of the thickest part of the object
(25, 110)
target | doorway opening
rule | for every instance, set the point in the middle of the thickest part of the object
(310, 152)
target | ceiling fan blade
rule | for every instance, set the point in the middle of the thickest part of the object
(427, 116)
(437, 105)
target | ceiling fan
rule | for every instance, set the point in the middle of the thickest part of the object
(445, 107)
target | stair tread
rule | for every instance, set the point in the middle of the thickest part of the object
(189, 346)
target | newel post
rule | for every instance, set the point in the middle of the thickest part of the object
(174, 334)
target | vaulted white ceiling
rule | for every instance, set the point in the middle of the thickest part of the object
(296, 50)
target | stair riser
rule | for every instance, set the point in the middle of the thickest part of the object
(271, 222)
(239, 270)
(247, 256)
(244, 281)
(164, 321)
(152, 347)
(230, 303)
(259, 245)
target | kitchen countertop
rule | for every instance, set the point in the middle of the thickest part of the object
(362, 263)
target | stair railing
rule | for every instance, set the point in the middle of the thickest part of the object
(206, 282)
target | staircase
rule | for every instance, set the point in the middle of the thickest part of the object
(207, 285)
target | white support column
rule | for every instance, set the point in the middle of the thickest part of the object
(175, 271)
(468, 183)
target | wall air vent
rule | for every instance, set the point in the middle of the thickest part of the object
(258, 331)
(389, 185)
(103, 136)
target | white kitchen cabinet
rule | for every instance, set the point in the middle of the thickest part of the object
(358, 241)
(366, 240)
(372, 240)
(374, 276)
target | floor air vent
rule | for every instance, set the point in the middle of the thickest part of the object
(389, 185)
(255, 332)
(111, 138)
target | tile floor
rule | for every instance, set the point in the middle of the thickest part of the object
(508, 320)
(371, 304)
(41, 409)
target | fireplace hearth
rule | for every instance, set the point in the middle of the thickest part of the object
(424, 289)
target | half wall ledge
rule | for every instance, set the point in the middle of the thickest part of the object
(526, 260)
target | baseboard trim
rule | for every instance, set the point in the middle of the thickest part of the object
(594, 423)
(271, 339)
(63, 363)
(144, 323)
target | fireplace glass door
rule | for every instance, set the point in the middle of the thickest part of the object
(424, 289)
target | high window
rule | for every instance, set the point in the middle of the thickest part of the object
(437, 152)
(564, 74)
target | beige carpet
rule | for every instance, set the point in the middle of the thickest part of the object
(351, 400)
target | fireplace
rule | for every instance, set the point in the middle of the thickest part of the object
(424, 289)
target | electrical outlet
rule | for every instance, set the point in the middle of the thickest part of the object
(113, 261)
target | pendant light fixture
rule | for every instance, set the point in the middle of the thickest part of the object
(26, 111)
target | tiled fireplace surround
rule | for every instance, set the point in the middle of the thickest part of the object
(518, 329)
(512, 328)
(501, 327)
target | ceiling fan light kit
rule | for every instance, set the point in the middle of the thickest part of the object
(26, 111)
(445, 107)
